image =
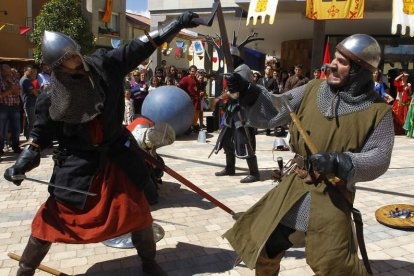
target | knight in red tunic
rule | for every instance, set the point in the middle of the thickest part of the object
(83, 110)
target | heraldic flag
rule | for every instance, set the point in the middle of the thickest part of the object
(403, 14)
(334, 9)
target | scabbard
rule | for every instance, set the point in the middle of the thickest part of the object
(356, 215)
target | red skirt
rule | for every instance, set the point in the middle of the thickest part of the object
(119, 208)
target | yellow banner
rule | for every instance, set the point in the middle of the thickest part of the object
(334, 9)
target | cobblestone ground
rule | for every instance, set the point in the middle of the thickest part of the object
(193, 227)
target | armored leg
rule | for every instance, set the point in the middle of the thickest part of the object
(230, 168)
(143, 240)
(269, 259)
(254, 174)
(266, 266)
(32, 256)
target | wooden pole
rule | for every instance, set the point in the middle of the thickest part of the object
(41, 267)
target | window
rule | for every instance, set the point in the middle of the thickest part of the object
(112, 27)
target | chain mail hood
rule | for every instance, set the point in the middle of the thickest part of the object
(74, 98)
(357, 95)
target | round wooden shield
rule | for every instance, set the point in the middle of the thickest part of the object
(399, 216)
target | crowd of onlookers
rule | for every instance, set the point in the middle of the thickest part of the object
(140, 82)
(19, 90)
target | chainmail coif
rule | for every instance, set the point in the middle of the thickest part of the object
(356, 96)
(74, 98)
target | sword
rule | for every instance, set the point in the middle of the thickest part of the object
(23, 177)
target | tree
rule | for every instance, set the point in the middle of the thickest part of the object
(63, 16)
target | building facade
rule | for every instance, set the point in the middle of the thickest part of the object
(293, 38)
(14, 14)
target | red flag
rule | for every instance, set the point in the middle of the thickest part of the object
(326, 58)
(108, 12)
(24, 29)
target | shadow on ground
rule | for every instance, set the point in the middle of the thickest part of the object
(172, 195)
(184, 260)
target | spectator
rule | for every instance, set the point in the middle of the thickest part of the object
(43, 78)
(29, 96)
(201, 88)
(270, 84)
(402, 102)
(268, 81)
(296, 80)
(154, 84)
(129, 108)
(189, 85)
(159, 73)
(317, 73)
(380, 87)
(139, 90)
(173, 74)
(169, 81)
(9, 108)
(256, 76)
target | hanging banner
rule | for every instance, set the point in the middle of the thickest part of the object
(334, 9)
(24, 29)
(198, 47)
(262, 8)
(108, 12)
(179, 49)
(402, 14)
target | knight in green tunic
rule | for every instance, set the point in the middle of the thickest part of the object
(352, 129)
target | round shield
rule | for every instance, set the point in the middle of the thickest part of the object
(399, 216)
(125, 241)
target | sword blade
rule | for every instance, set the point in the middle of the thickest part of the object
(60, 187)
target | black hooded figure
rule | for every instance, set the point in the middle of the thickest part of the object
(237, 138)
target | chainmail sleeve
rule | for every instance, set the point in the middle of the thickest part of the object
(374, 158)
(263, 113)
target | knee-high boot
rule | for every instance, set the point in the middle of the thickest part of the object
(230, 168)
(144, 242)
(254, 174)
(32, 256)
(266, 266)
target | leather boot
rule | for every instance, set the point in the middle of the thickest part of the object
(254, 174)
(266, 266)
(230, 168)
(143, 240)
(32, 256)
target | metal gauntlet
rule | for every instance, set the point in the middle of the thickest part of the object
(168, 31)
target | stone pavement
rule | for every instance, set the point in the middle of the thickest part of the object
(192, 244)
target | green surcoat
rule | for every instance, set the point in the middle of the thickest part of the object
(330, 247)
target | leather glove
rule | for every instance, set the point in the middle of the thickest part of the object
(337, 164)
(236, 83)
(28, 159)
(185, 20)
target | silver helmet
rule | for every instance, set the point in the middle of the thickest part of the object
(56, 47)
(362, 49)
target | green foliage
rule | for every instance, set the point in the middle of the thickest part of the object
(63, 16)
